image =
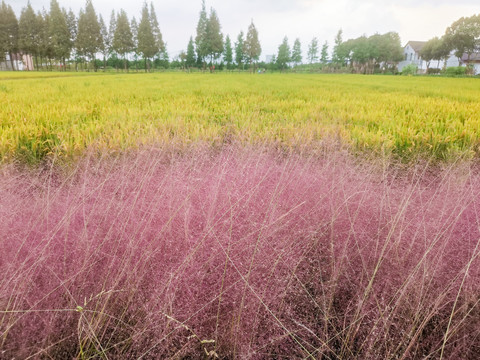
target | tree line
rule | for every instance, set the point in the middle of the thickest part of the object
(60, 37)
(57, 36)
(462, 38)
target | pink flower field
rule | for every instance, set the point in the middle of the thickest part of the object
(239, 253)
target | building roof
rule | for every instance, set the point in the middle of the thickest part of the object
(417, 45)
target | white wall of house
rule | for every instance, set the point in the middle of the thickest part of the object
(476, 68)
(410, 56)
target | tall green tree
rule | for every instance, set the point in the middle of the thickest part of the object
(324, 53)
(59, 34)
(284, 55)
(28, 31)
(297, 52)
(463, 36)
(313, 51)
(123, 37)
(106, 41)
(44, 44)
(112, 25)
(338, 57)
(157, 34)
(228, 52)
(239, 50)
(190, 55)
(89, 39)
(134, 27)
(201, 37)
(147, 46)
(3, 31)
(428, 51)
(442, 52)
(360, 53)
(9, 32)
(213, 37)
(72, 25)
(252, 48)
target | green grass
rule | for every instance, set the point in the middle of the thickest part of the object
(64, 114)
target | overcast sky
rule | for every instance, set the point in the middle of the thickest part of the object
(305, 19)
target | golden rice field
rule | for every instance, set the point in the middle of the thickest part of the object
(55, 114)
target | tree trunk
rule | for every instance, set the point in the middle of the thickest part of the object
(11, 62)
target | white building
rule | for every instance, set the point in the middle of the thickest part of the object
(411, 53)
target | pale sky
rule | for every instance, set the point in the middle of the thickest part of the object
(274, 19)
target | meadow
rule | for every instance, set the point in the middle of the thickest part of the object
(239, 216)
(406, 117)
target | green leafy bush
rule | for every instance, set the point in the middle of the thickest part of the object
(410, 70)
(455, 71)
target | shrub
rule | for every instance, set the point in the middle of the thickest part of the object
(410, 69)
(455, 71)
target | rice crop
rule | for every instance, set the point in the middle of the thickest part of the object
(65, 115)
(239, 252)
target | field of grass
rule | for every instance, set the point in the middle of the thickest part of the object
(69, 113)
(240, 254)
(235, 216)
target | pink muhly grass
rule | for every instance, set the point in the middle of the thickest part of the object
(239, 253)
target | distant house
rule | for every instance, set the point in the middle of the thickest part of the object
(411, 53)
(472, 60)
(20, 62)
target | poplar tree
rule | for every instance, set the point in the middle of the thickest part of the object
(283, 57)
(252, 48)
(8, 32)
(313, 51)
(228, 54)
(239, 50)
(147, 46)
(44, 45)
(134, 28)
(200, 39)
(58, 33)
(105, 41)
(296, 52)
(213, 37)
(324, 53)
(157, 35)
(190, 56)
(123, 38)
(28, 32)
(72, 27)
(337, 56)
(89, 38)
(111, 31)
